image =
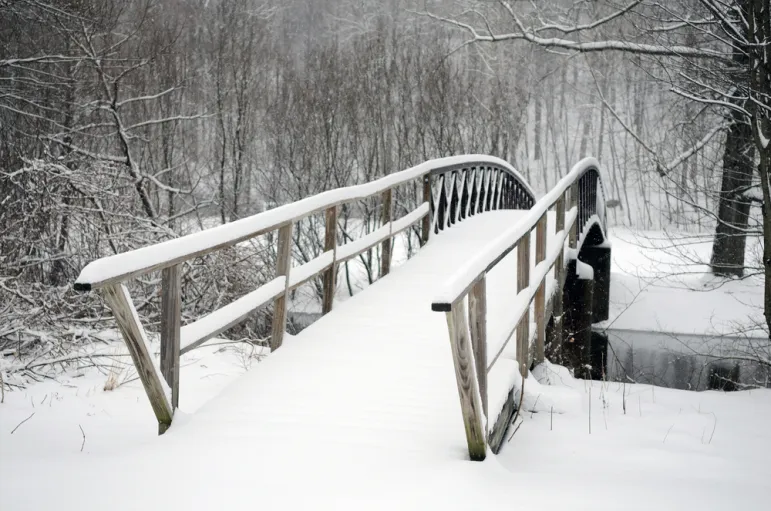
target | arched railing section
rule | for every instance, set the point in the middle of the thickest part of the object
(462, 186)
(463, 190)
(578, 202)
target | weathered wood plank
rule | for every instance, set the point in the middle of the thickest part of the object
(523, 281)
(385, 253)
(119, 301)
(330, 274)
(171, 310)
(540, 295)
(477, 304)
(498, 431)
(283, 266)
(468, 392)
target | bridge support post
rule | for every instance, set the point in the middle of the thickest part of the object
(465, 376)
(330, 274)
(385, 253)
(171, 311)
(283, 266)
(540, 296)
(523, 328)
(577, 325)
(119, 301)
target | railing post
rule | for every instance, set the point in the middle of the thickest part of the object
(477, 304)
(119, 301)
(468, 392)
(330, 274)
(574, 204)
(426, 227)
(559, 275)
(171, 310)
(283, 266)
(385, 254)
(523, 281)
(540, 295)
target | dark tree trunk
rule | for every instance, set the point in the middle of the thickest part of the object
(738, 161)
(734, 208)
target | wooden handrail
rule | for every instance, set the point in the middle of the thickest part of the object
(476, 183)
(580, 186)
(494, 251)
(121, 267)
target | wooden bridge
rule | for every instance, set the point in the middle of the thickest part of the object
(506, 278)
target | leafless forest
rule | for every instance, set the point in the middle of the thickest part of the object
(124, 123)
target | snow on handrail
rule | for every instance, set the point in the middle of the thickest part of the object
(120, 267)
(459, 282)
(356, 247)
(201, 330)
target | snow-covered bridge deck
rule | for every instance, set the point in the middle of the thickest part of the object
(376, 375)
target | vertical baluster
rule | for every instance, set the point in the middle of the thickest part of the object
(385, 254)
(477, 305)
(574, 204)
(523, 282)
(171, 311)
(559, 275)
(460, 187)
(330, 274)
(449, 185)
(540, 295)
(426, 226)
(283, 267)
(468, 392)
(441, 210)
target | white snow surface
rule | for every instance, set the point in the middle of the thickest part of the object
(360, 411)
(660, 282)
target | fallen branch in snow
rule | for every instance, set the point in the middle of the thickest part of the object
(84, 437)
(2, 389)
(33, 413)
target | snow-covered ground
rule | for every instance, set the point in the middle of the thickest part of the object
(238, 444)
(671, 321)
(669, 450)
(661, 282)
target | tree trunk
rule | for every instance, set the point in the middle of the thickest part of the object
(738, 160)
(733, 208)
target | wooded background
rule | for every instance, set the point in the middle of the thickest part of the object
(123, 123)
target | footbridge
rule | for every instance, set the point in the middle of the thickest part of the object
(434, 354)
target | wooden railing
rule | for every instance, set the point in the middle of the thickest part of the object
(577, 205)
(453, 189)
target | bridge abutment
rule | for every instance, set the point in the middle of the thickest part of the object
(578, 297)
(598, 257)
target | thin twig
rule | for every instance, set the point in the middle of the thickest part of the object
(33, 413)
(84, 437)
(670, 429)
(534, 405)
